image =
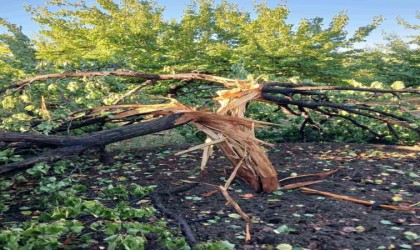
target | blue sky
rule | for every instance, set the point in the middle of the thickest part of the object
(361, 12)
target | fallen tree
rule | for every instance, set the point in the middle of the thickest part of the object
(227, 126)
(64, 146)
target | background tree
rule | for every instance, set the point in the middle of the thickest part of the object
(309, 51)
(209, 37)
(17, 54)
(397, 60)
(103, 35)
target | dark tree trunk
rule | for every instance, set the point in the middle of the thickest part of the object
(65, 146)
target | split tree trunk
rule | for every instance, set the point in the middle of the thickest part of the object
(257, 170)
(261, 176)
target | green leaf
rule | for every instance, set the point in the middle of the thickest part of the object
(405, 246)
(410, 235)
(226, 244)
(414, 175)
(89, 204)
(386, 222)
(194, 198)
(278, 193)
(397, 85)
(234, 216)
(77, 227)
(284, 246)
(284, 229)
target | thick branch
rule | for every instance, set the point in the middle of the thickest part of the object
(181, 77)
(349, 108)
(94, 139)
(273, 87)
(44, 157)
(71, 145)
(356, 123)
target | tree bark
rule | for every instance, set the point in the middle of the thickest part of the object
(65, 146)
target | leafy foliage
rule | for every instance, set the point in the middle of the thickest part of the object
(397, 60)
(218, 38)
(65, 205)
(17, 54)
(134, 35)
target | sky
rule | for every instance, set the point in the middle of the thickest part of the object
(361, 12)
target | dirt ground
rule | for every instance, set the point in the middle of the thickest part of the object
(384, 174)
(374, 173)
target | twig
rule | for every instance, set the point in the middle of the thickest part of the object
(200, 146)
(308, 119)
(234, 204)
(354, 109)
(227, 197)
(358, 201)
(181, 77)
(130, 92)
(76, 168)
(205, 219)
(185, 228)
(356, 123)
(346, 107)
(247, 233)
(233, 175)
(210, 193)
(320, 175)
(300, 184)
(335, 196)
(393, 132)
(291, 111)
(176, 190)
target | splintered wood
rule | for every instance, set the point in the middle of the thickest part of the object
(358, 201)
(238, 144)
(233, 133)
(232, 102)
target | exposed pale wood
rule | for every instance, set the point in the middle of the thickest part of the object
(300, 184)
(320, 175)
(233, 175)
(247, 233)
(234, 204)
(257, 170)
(200, 146)
(358, 201)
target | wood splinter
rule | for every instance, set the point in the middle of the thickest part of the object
(358, 201)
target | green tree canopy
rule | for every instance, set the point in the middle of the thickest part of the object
(208, 37)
